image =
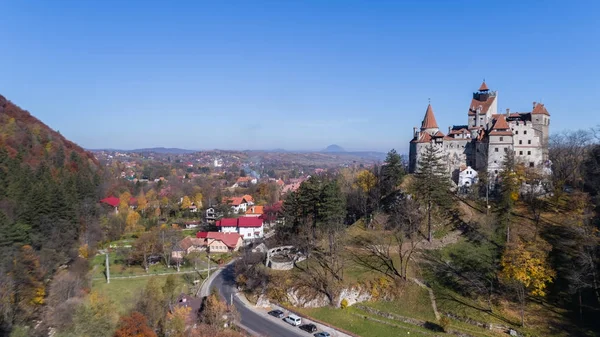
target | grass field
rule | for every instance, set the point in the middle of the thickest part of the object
(414, 302)
(125, 291)
(118, 270)
(347, 319)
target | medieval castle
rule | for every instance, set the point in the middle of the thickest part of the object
(483, 142)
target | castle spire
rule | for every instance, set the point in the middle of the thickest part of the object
(484, 86)
(429, 121)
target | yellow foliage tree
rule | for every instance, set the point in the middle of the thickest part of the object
(151, 195)
(366, 180)
(84, 251)
(177, 320)
(186, 203)
(526, 267)
(124, 201)
(142, 203)
(132, 222)
(198, 200)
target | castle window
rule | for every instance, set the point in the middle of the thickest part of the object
(529, 141)
(531, 164)
(529, 153)
(496, 150)
(520, 153)
(520, 142)
(525, 132)
(494, 162)
(501, 138)
(496, 171)
(517, 132)
(505, 149)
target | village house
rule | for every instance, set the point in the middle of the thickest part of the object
(218, 242)
(186, 246)
(248, 227)
(239, 204)
(254, 211)
(467, 177)
(245, 182)
(114, 202)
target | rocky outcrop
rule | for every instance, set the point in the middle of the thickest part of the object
(354, 295)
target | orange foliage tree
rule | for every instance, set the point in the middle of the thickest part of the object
(134, 325)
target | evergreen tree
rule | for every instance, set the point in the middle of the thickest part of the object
(432, 183)
(391, 173)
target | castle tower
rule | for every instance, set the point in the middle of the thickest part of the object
(483, 105)
(429, 134)
(429, 123)
(540, 118)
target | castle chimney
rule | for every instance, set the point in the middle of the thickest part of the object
(415, 131)
(507, 112)
(449, 128)
(534, 103)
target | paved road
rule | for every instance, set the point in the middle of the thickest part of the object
(258, 322)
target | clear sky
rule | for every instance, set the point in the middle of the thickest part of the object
(291, 74)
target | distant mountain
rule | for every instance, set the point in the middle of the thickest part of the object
(334, 149)
(164, 150)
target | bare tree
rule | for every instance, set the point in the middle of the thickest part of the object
(391, 254)
(567, 153)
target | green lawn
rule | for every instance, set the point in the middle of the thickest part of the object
(414, 302)
(125, 291)
(347, 320)
(118, 270)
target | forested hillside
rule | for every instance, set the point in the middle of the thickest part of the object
(49, 189)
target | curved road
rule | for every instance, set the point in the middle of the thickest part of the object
(258, 322)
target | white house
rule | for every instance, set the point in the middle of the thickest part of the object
(467, 177)
(247, 227)
(240, 204)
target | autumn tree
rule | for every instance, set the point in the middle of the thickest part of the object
(144, 247)
(134, 325)
(510, 179)
(132, 221)
(167, 238)
(526, 268)
(142, 202)
(152, 304)
(29, 291)
(124, 199)
(185, 203)
(198, 197)
(431, 184)
(96, 318)
(366, 181)
(213, 310)
(177, 321)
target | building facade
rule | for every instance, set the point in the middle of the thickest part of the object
(483, 142)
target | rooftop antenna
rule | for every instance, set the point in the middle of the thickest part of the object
(429, 99)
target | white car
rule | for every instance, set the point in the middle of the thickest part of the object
(293, 320)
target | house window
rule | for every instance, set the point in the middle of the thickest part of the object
(501, 138)
(529, 141)
(520, 142)
(525, 132)
(249, 235)
(496, 150)
(529, 153)
(520, 153)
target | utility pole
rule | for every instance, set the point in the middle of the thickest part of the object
(107, 269)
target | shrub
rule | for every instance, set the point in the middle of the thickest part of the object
(445, 323)
(344, 304)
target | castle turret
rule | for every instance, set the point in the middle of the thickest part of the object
(429, 124)
(540, 118)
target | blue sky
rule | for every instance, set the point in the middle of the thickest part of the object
(291, 74)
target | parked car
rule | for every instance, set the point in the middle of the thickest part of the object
(308, 327)
(276, 313)
(323, 334)
(293, 320)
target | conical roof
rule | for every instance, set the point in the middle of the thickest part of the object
(429, 121)
(483, 87)
(501, 123)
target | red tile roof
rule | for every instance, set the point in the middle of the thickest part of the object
(424, 137)
(240, 222)
(539, 109)
(255, 210)
(202, 235)
(229, 239)
(112, 201)
(500, 123)
(429, 121)
(485, 105)
(248, 198)
(483, 87)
